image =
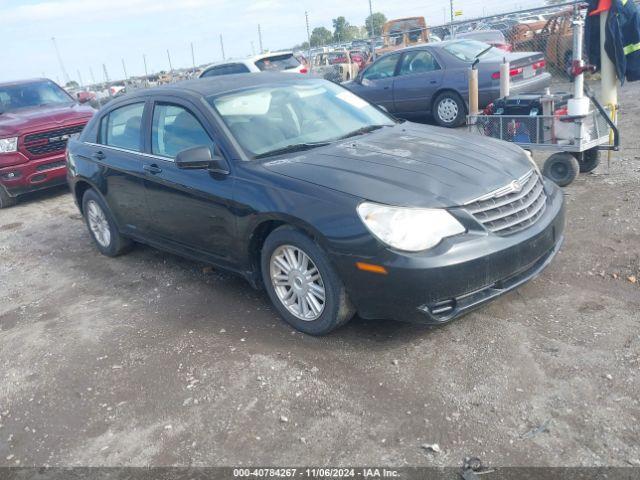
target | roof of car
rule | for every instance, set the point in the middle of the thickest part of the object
(208, 86)
(248, 60)
(23, 82)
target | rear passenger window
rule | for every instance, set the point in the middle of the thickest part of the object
(176, 129)
(121, 127)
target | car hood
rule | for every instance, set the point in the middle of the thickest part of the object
(17, 122)
(409, 165)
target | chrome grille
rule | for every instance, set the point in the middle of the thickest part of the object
(50, 141)
(506, 211)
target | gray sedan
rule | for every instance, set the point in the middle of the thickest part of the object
(432, 79)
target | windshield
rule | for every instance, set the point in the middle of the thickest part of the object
(35, 94)
(467, 50)
(270, 118)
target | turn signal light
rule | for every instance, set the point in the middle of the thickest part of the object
(369, 267)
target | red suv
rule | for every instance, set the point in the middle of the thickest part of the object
(37, 117)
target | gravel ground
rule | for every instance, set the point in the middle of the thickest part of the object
(149, 359)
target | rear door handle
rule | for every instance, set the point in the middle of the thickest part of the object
(152, 169)
(99, 155)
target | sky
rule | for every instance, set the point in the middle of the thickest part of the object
(90, 33)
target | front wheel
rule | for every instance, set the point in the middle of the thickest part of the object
(302, 284)
(449, 110)
(562, 168)
(102, 227)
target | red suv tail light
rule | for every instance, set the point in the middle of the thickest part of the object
(304, 70)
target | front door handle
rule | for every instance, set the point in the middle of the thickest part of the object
(153, 169)
(99, 155)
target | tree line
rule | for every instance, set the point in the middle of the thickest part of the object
(343, 31)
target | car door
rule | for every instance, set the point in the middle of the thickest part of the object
(118, 150)
(376, 83)
(190, 209)
(419, 76)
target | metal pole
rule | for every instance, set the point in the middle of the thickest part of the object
(169, 57)
(146, 73)
(306, 16)
(260, 39)
(80, 79)
(373, 33)
(451, 30)
(93, 79)
(65, 75)
(193, 59)
(124, 68)
(607, 69)
(222, 47)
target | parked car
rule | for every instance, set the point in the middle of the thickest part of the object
(433, 79)
(267, 62)
(494, 38)
(336, 66)
(326, 201)
(37, 117)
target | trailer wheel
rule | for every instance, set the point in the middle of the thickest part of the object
(588, 160)
(562, 168)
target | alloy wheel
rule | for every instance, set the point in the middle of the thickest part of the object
(297, 282)
(98, 224)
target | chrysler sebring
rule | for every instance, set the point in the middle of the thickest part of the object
(310, 192)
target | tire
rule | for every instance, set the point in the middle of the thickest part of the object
(588, 160)
(102, 227)
(6, 200)
(449, 110)
(562, 168)
(286, 246)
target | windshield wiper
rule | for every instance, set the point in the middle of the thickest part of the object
(296, 147)
(362, 131)
(484, 51)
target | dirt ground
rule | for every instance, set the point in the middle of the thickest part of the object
(149, 359)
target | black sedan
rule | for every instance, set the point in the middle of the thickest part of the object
(314, 194)
(432, 79)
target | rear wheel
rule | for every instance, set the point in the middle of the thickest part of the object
(588, 160)
(302, 284)
(562, 168)
(449, 110)
(102, 227)
(6, 200)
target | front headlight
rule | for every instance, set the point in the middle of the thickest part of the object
(8, 145)
(409, 229)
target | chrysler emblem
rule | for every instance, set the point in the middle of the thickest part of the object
(515, 186)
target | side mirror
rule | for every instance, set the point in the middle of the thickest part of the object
(200, 158)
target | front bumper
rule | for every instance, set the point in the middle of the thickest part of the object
(457, 276)
(34, 175)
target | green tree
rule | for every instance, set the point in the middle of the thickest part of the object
(342, 31)
(377, 20)
(320, 36)
(72, 84)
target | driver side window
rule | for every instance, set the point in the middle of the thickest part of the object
(383, 68)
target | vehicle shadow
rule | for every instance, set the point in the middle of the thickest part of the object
(43, 195)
